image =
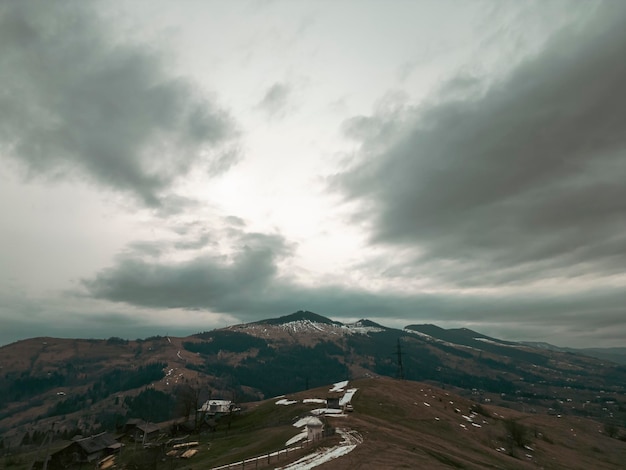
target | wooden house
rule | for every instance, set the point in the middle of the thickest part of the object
(217, 407)
(84, 450)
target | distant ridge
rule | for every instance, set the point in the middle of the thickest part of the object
(300, 315)
(546, 346)
(369, 324)
(617, 355)
(478, 341)
(457, 335)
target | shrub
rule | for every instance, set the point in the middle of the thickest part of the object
(611, 429)
(518, 433)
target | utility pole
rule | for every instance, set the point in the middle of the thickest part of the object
(400, 367)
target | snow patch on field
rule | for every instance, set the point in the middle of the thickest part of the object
(339, 386)
(326, 411)
(297, 438)
(284, 401)
(318, 458)
(350, 440)
(314, 400)
(347, 398)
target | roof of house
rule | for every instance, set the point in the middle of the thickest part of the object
(314, 423)
(148, 428)
(218, 402)
(222, 405)
(96, 443)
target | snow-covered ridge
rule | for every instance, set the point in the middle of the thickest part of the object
(308, 326)
(361, 328)
(497, 343)
(296, 326)
(440, 341)
(419, 333)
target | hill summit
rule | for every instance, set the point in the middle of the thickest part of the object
(300, 315)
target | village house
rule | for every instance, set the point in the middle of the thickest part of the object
(84, 450)
(217, 407)
(140, 430)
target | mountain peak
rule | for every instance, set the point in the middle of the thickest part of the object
(300, 315)
(364, 322)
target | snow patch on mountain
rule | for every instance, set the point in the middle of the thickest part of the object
(497, 343)
(419, 333)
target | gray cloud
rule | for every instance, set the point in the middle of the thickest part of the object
(247, 284)
(20, 322)
(276, 100)
(76, 102)
(208, 280)
(201, 241)
(520, 181)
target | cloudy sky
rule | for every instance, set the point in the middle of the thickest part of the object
(174, 167)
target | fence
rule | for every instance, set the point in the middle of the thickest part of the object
(253, 462)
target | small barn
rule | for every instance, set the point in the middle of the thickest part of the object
(333, 402)
(138, 429)
(147, 432)
(84, 450)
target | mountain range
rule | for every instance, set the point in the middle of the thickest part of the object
(87, 385)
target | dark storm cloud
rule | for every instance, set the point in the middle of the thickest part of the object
(247, 285)
(217, 281)
(75, 102)
(275, 100)
(519, 181)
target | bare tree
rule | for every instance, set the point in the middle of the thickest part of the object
(190, 399)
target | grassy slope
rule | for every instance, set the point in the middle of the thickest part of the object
(401, 431)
